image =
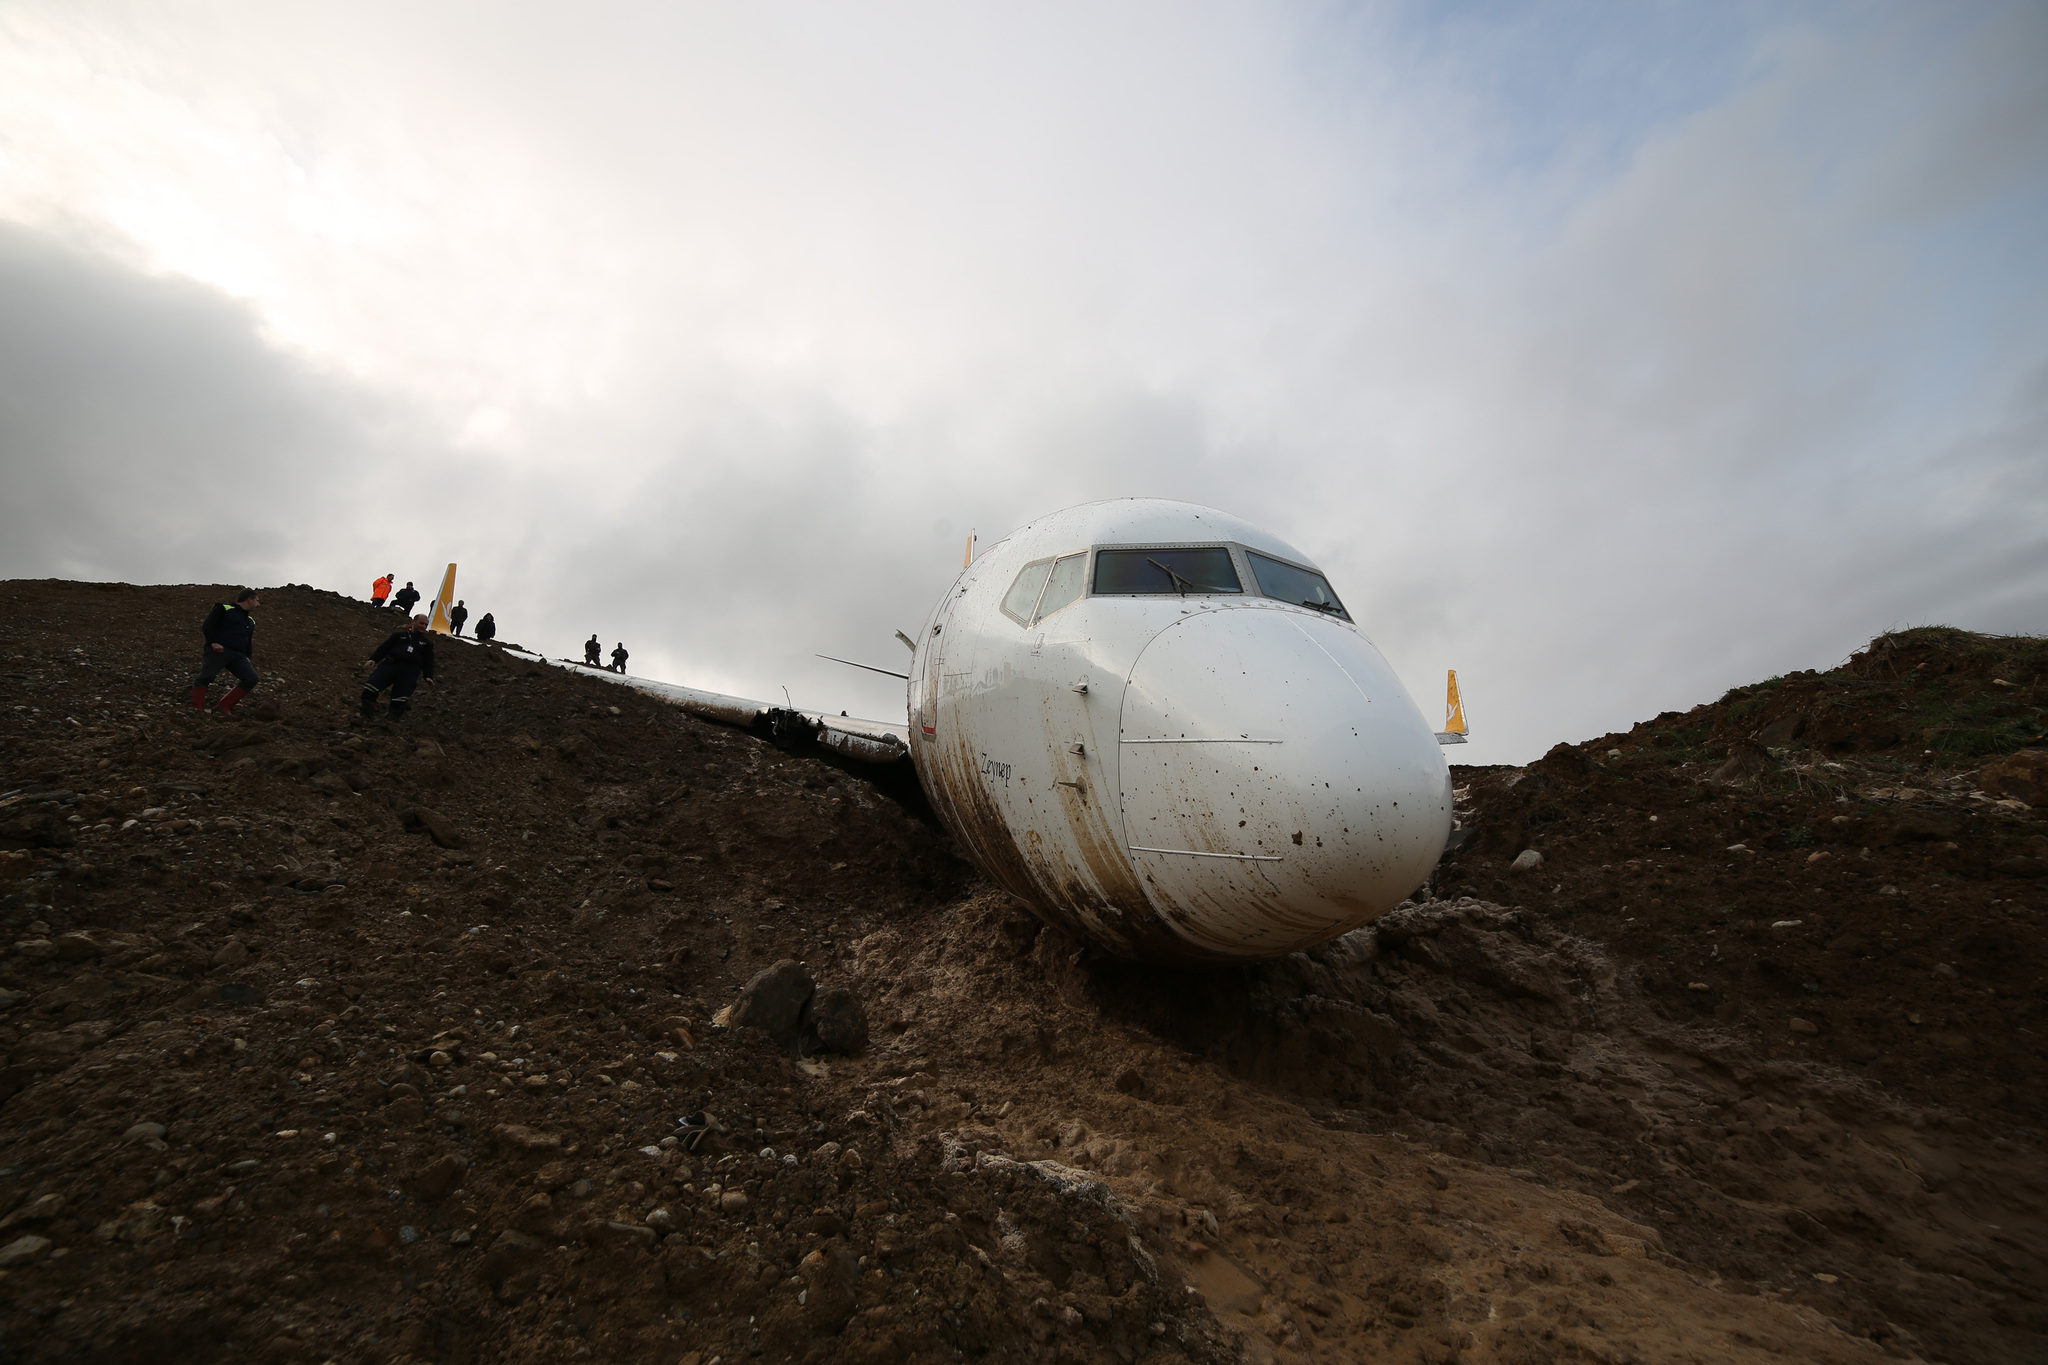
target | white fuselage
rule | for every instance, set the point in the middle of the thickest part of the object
(1176, 773)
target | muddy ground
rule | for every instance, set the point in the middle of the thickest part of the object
(337, 1042)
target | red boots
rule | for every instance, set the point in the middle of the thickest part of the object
(227, 703)
(198, 699)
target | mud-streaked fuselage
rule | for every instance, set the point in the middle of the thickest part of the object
(1155, 724)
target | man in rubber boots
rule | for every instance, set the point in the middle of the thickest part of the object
(405, 597)
(619, 657)
(381, 589)
(400, 663)
(457, 614)
(591, 650)
(230, 634)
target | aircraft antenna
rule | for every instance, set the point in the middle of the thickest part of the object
(869, 667)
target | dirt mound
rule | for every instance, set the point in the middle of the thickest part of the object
(351, 1042)
(1831, 858)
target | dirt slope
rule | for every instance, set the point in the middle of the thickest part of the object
(365, 1045)
(1845, 849)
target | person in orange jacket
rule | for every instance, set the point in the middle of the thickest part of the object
(381, 589)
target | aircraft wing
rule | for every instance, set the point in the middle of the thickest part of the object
(866, 741)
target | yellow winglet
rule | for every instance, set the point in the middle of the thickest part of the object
(438, 621)
(1454, 714)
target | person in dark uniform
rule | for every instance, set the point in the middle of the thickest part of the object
(457, 614)
(405, 597)
(591, 650)
(400, 663)
(486, 628)
(230, 634)
(619, 657)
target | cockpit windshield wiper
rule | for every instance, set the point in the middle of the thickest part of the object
(1330, 607)
(1177, 578)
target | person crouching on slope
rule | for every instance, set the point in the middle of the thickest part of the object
(399, 664)
(230, 638)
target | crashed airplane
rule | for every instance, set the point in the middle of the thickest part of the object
(1158, 726)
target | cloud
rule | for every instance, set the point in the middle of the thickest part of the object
(1610, 360)
(146, 428)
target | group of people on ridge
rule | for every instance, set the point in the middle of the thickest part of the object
(400, 664)
(591, 650)
(405, 597)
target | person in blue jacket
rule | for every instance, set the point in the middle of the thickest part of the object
(230, 633)
(400, 663)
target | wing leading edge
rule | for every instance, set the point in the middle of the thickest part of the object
(854, 737)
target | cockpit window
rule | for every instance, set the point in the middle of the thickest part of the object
(1023, 594)
(1063, 589)
(1303, 587)
(1207, 569)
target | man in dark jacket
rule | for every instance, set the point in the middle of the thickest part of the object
(230, 634)
(457, 614)
(619, 657)
(399, 664)
(405, 597)
(591, 650)
(486, 628)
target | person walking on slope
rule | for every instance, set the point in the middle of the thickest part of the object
(619, 657)
(591, 650)
(380, 590)
(230, 634)
(399, 664)
(407, 595)
(457, 614)
(486, 628)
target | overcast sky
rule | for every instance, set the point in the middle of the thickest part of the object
(1611, 354)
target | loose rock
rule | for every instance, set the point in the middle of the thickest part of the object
(836, 1020)
(520, 1136)
(78, 947)
(829, 1275)
(24, 1251)
(440, 1176)
(2021, 777)
(773, 1002)
(438, 827)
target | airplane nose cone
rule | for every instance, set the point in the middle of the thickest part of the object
(1278, 785)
